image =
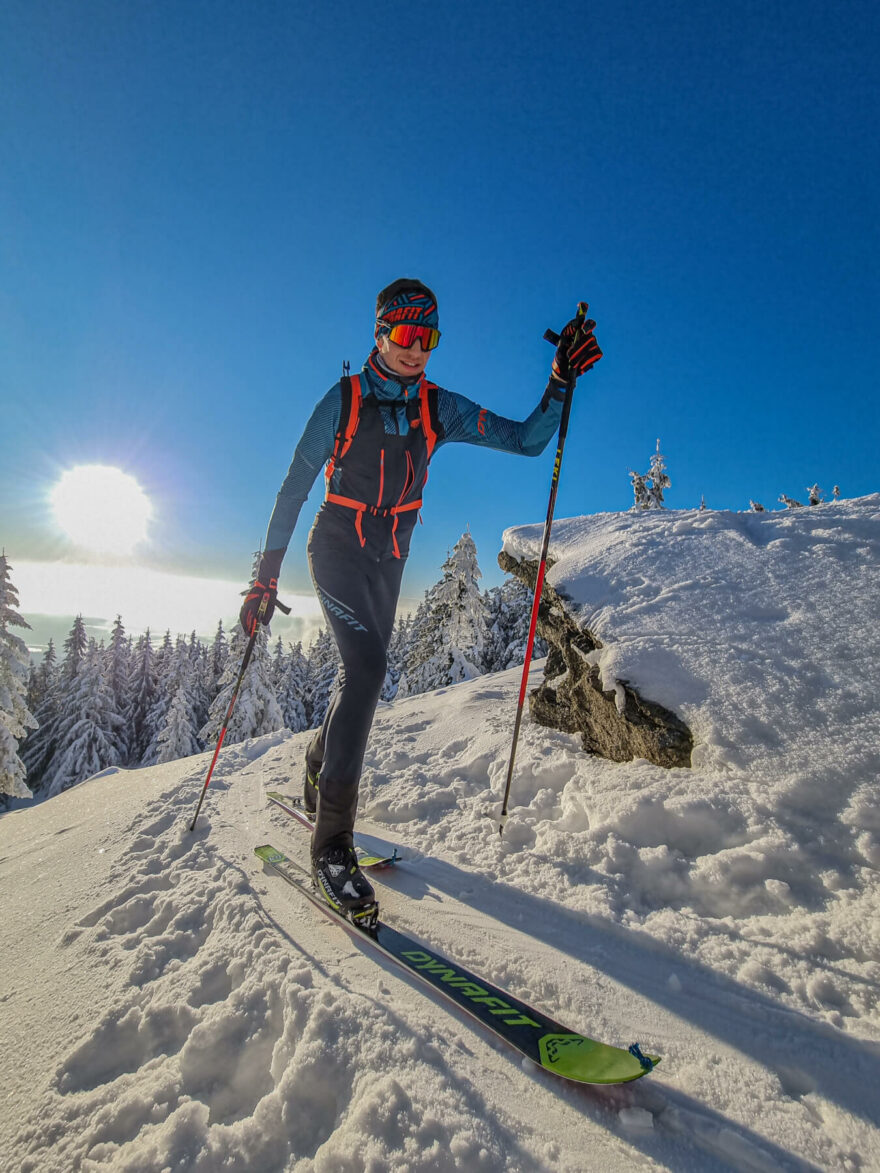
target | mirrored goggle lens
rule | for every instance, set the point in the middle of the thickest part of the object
(405, 335)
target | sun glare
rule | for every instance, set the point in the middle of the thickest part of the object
(102, 509)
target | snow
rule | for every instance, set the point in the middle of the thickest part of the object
(165, 1003)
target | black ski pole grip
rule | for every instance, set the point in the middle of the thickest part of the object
(282, 607)
(551, 336)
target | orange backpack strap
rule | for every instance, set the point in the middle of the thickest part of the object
(429, 414)
(349, 418)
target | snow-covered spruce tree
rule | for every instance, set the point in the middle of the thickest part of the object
(175, 671)
(790, 502)
(141, 694)
(15, 717)
(451, 635)
(89, 727)
(640, 491)
(75, 648)
(292, 678)
(118, 672)
(816, 495)
(397, 652)
(323, 670)
(218, 656)
(835, 492)
(167, 673)
(657, 479)
(756, 507)
(177, 737)
(39, 745)
(648, 489)
(256, 710)
(200, 691)
(510, 611)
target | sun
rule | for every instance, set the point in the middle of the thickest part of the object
(101, 509)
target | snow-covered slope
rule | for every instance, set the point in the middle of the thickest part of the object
(167, 1004)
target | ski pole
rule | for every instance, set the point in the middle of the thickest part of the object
(552, 337)
(248, 652)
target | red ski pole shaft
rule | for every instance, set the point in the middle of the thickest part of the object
(244, 663)
(539, 585)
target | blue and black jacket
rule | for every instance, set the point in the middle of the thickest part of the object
(375, 476)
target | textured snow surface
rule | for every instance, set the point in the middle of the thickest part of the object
(166, 1004)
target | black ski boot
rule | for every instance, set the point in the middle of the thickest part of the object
(339, 879)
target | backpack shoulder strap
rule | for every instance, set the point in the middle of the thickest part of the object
(430, 414)
(349, 417)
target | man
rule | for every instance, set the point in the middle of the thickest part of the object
(376, 432)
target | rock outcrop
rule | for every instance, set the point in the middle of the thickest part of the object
(572, 699)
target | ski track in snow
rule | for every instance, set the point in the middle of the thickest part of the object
(165, 1003)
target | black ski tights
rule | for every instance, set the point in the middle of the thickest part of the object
(359, 597)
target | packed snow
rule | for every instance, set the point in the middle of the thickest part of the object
(166, 1004)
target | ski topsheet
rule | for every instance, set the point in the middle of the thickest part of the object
(294, 807)
(532, 1033)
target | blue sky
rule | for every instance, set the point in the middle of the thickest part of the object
(200, 201)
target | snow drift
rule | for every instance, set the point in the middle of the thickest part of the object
(164, 1003)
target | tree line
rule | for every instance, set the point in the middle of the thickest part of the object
(139, 702)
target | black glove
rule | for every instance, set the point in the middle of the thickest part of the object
(265, 587)
(578, 350)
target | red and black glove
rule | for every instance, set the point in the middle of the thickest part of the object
(578, 349)
(265, 587)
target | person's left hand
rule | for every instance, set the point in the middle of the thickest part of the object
(578, 349)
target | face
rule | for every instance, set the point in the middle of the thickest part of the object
(403, 360)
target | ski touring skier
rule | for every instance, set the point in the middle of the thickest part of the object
(374, 434)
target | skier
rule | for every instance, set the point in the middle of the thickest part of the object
(376, 433)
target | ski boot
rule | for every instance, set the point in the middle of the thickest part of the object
(337, 876)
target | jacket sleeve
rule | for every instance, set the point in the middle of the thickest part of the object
(465, 422)
(312, 453)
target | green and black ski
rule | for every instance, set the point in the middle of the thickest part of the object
(295, 808)
(537, 1037)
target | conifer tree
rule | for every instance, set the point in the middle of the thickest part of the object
(15, 717)
(219, 654)
(175, 669)
(177, 737)
(648, 489)
(397, 653)
(75, 648)
(141, 694)
(89, 727)
(657, 480)
(450, 634)
(323, 670)
(510, 613)
(201, 692)
(292, 687)
(39, 745)
(118, 673)
(256, 710)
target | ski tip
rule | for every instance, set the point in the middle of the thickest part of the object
(648, 1062)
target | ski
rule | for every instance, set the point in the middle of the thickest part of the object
(547, 1044)
(295, 808)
